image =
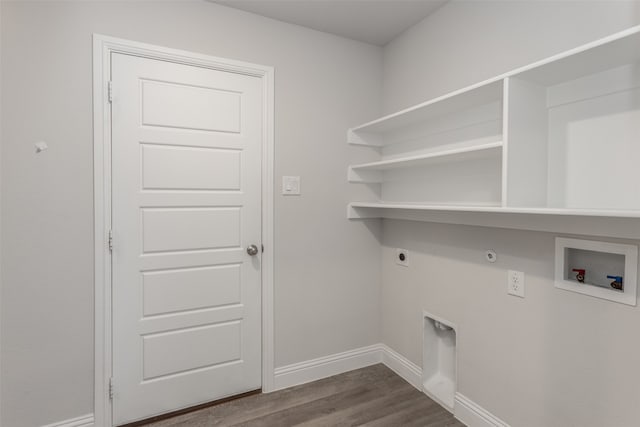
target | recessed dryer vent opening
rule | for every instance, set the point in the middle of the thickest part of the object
(439, 360)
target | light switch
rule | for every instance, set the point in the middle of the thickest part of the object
(291, 185)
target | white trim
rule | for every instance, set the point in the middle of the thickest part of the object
(268, 236)
(402, 366)
(465, 410)
(334, 364)
(103, 47)
(327, 366)
(102, 220)
(473, 415)
(1, 233)
(83, 421)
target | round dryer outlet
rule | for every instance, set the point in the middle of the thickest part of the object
(402, 257)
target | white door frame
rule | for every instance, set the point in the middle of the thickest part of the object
(103, 47)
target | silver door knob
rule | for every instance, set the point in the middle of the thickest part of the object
(252, 250)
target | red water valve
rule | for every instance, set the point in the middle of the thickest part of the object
(580, 274)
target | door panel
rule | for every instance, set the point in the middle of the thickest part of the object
(208, 346)
(186, 159)
(190, 107)
(166, 167)
(190, 228)
(190, 289)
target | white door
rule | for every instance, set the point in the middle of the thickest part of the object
(186, 168)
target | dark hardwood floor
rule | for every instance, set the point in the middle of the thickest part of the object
(374, 396)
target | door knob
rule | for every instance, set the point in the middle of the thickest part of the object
(252, 250)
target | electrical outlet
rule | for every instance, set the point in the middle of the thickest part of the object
(515, 283)
(402, 257)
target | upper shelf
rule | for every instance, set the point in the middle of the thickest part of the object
(609, 52)
(470, 97)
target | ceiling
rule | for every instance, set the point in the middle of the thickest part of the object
(370, 21)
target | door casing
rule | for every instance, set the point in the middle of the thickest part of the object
(103, 47)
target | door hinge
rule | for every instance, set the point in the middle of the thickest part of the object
(110, 91)
(110, 388)
(110, 240)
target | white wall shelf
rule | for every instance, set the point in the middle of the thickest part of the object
(377, 210)
(619, 224)
(557, 138)
(473, 152)
(464, 99)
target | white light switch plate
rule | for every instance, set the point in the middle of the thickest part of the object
(291, 185)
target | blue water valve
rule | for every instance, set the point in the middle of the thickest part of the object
(617, 282)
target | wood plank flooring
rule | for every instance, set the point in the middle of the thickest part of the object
(374, 396)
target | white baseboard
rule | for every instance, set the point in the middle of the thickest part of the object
(323, 367)
(83, 421)
(465, 410)
(473, 415)
(402, 366)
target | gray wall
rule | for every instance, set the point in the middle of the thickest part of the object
(468, 41)
(554, 358)
(327, 269)
(577, 369)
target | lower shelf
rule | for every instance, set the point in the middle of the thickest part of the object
(596, 222)
(377, 207)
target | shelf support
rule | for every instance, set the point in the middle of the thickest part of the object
(364, 138)
(362, 213)
(364, 176)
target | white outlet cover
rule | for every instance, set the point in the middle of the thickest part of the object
(403, 262)
(515, 283)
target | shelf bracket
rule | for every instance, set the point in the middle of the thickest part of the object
(364, 176)
(364, 138)
(362, 213)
